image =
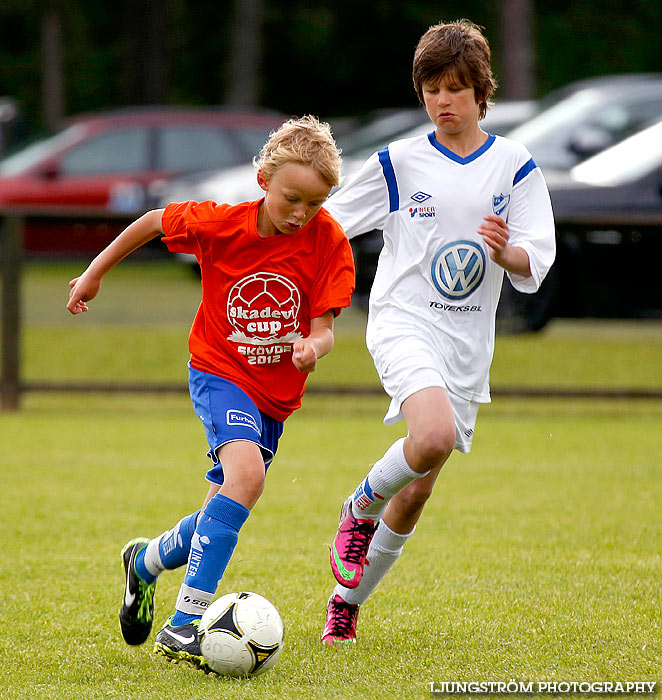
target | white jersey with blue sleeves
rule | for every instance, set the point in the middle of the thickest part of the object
(435, 279)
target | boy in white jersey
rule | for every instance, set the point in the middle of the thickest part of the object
(458, 207)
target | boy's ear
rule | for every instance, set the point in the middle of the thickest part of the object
(262, 180)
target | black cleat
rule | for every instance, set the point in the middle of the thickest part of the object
(137, 611)
(181, 643)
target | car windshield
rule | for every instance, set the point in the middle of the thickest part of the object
(252, 140)
(31, 155)
(567, 112)
(571, 128)
(626, 161)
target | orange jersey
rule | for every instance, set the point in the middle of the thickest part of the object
(259, 294)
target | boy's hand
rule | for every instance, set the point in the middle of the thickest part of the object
(494, 231)
(304, 355)
(306, 351)
(82, 289)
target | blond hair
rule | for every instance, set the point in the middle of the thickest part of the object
(305, 141)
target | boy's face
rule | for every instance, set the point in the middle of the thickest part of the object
(293, 195)
(451, 106)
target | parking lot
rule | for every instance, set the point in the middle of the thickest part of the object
(596, 141)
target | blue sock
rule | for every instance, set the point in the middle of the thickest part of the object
(212, 546)
(141, 569)
(173, 548)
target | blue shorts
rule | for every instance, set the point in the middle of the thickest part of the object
(228, 414)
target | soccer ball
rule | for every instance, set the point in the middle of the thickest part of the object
(241, 634)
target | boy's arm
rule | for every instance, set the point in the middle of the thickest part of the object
(86, 287)
(362, 204)
(514, 259)
(306, 351)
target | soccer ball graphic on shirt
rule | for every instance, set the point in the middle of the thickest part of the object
(263, 308)
(241, 634)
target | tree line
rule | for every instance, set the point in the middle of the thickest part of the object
(329, 57)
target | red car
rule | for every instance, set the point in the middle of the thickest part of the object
(103, 169)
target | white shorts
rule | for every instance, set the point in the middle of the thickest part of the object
(409, 369)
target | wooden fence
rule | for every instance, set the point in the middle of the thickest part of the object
(12, 223)
(12, 226)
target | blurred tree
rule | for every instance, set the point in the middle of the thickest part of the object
(52, 69)
(330, 57)
(583, 38)
(20, 75)
(144, 38)
(199, 36)
(516, 22)
(245, 57)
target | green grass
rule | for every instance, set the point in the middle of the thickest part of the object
(538, 558)
(156, 302)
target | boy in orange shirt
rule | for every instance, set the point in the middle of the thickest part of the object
(275, 273)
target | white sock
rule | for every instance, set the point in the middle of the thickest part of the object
(385, 548)
(388, 476)
(153, 562)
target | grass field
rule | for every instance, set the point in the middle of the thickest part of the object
(538, 557)
(156, 303)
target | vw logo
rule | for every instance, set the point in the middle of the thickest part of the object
(457, 269)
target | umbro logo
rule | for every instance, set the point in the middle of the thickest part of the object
(420, 196)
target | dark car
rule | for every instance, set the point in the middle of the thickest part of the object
(608, 213)
(110, 166)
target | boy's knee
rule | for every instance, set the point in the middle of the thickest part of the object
(431, 448)
(254, 482)
(243, 471)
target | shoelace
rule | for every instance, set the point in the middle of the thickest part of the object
(145, 597)
(343, 616)
(360, 535)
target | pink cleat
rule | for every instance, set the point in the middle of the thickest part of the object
(350, 547)
(340, 625)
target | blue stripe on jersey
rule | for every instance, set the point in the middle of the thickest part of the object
(391, 182)
(458, 159)
(524, 171)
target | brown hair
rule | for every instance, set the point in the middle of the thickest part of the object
(305, 141)
(460, 51)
